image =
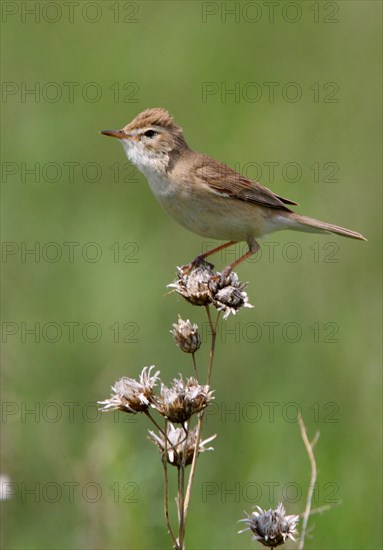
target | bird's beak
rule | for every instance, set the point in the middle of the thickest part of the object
(120, 134)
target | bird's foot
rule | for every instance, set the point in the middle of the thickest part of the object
(199, 261)
(226, 272)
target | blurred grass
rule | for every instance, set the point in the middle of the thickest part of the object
(168, 54)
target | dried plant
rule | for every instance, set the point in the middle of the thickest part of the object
(132, 396)
(272, 527)
(173, 409)
(183, 399)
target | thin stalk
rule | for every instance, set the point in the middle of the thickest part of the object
(161, 430)
(181, 491)
(309, 448)
(178, 504)
(213, 329)
(193, 467)
(166, 490)
(157, 425)
(195, 366)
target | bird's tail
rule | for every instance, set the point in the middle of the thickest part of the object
(304, 223)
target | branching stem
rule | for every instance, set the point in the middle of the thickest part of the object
(213, 329)
(309, 448)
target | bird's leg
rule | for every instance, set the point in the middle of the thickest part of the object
(204, 255)
(253, 249)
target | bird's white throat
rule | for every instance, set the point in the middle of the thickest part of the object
(151, 165)
(148, 162)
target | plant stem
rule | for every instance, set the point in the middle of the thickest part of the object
(309, 448)
(161, 430)
(181, 491)
(156, 424)
(213, 328)
(195, 366)
(166, 489)
(193, 467)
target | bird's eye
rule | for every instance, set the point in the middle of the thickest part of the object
(150, 133)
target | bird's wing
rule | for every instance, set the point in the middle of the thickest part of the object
(226, 182)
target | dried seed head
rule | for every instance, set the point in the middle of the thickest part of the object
(193, 283)
(272, 527)
(179, 450)
(228, 294)
(130, 395)
(201, 286)
(186, 335)
(182, 399)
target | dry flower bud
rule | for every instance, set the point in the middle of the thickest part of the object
(130, 395)
(272, 527)
(182, 399)
(179, 451)
(201, 286)
(193, 283)
(228, 294)
(186, 335)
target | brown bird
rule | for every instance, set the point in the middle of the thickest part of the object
(206, 196)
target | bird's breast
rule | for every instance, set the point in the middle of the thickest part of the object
(207, 213)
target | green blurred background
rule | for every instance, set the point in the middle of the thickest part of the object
(102, 312)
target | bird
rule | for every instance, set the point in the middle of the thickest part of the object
(206, 196)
